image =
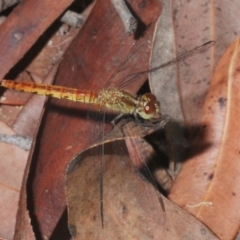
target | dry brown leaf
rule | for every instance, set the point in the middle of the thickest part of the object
(18, 33)
(12, 165)
(183, 92)
(211, 189)
(25, 115)
(131, 207)
(24, 124)
(184, 25)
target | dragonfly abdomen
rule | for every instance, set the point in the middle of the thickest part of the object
(71, 94)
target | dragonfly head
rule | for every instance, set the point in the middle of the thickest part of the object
(149, 107)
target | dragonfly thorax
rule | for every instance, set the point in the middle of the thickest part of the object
(148, 107)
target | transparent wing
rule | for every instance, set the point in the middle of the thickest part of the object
(200, 49)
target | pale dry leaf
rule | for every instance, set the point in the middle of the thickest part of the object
(12, 165)
(213, 170)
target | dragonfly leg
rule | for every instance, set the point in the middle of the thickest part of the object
(117, 119)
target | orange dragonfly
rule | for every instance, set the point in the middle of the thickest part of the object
(146, 106)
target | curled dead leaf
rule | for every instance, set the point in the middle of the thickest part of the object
(213, 172)
(131, 208)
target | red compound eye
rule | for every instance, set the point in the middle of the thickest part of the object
(150, 97)
(150, 108)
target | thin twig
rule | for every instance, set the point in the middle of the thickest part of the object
(129, 21)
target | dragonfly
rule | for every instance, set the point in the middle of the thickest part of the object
(145, 107)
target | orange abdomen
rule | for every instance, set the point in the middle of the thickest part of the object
(72, 94)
